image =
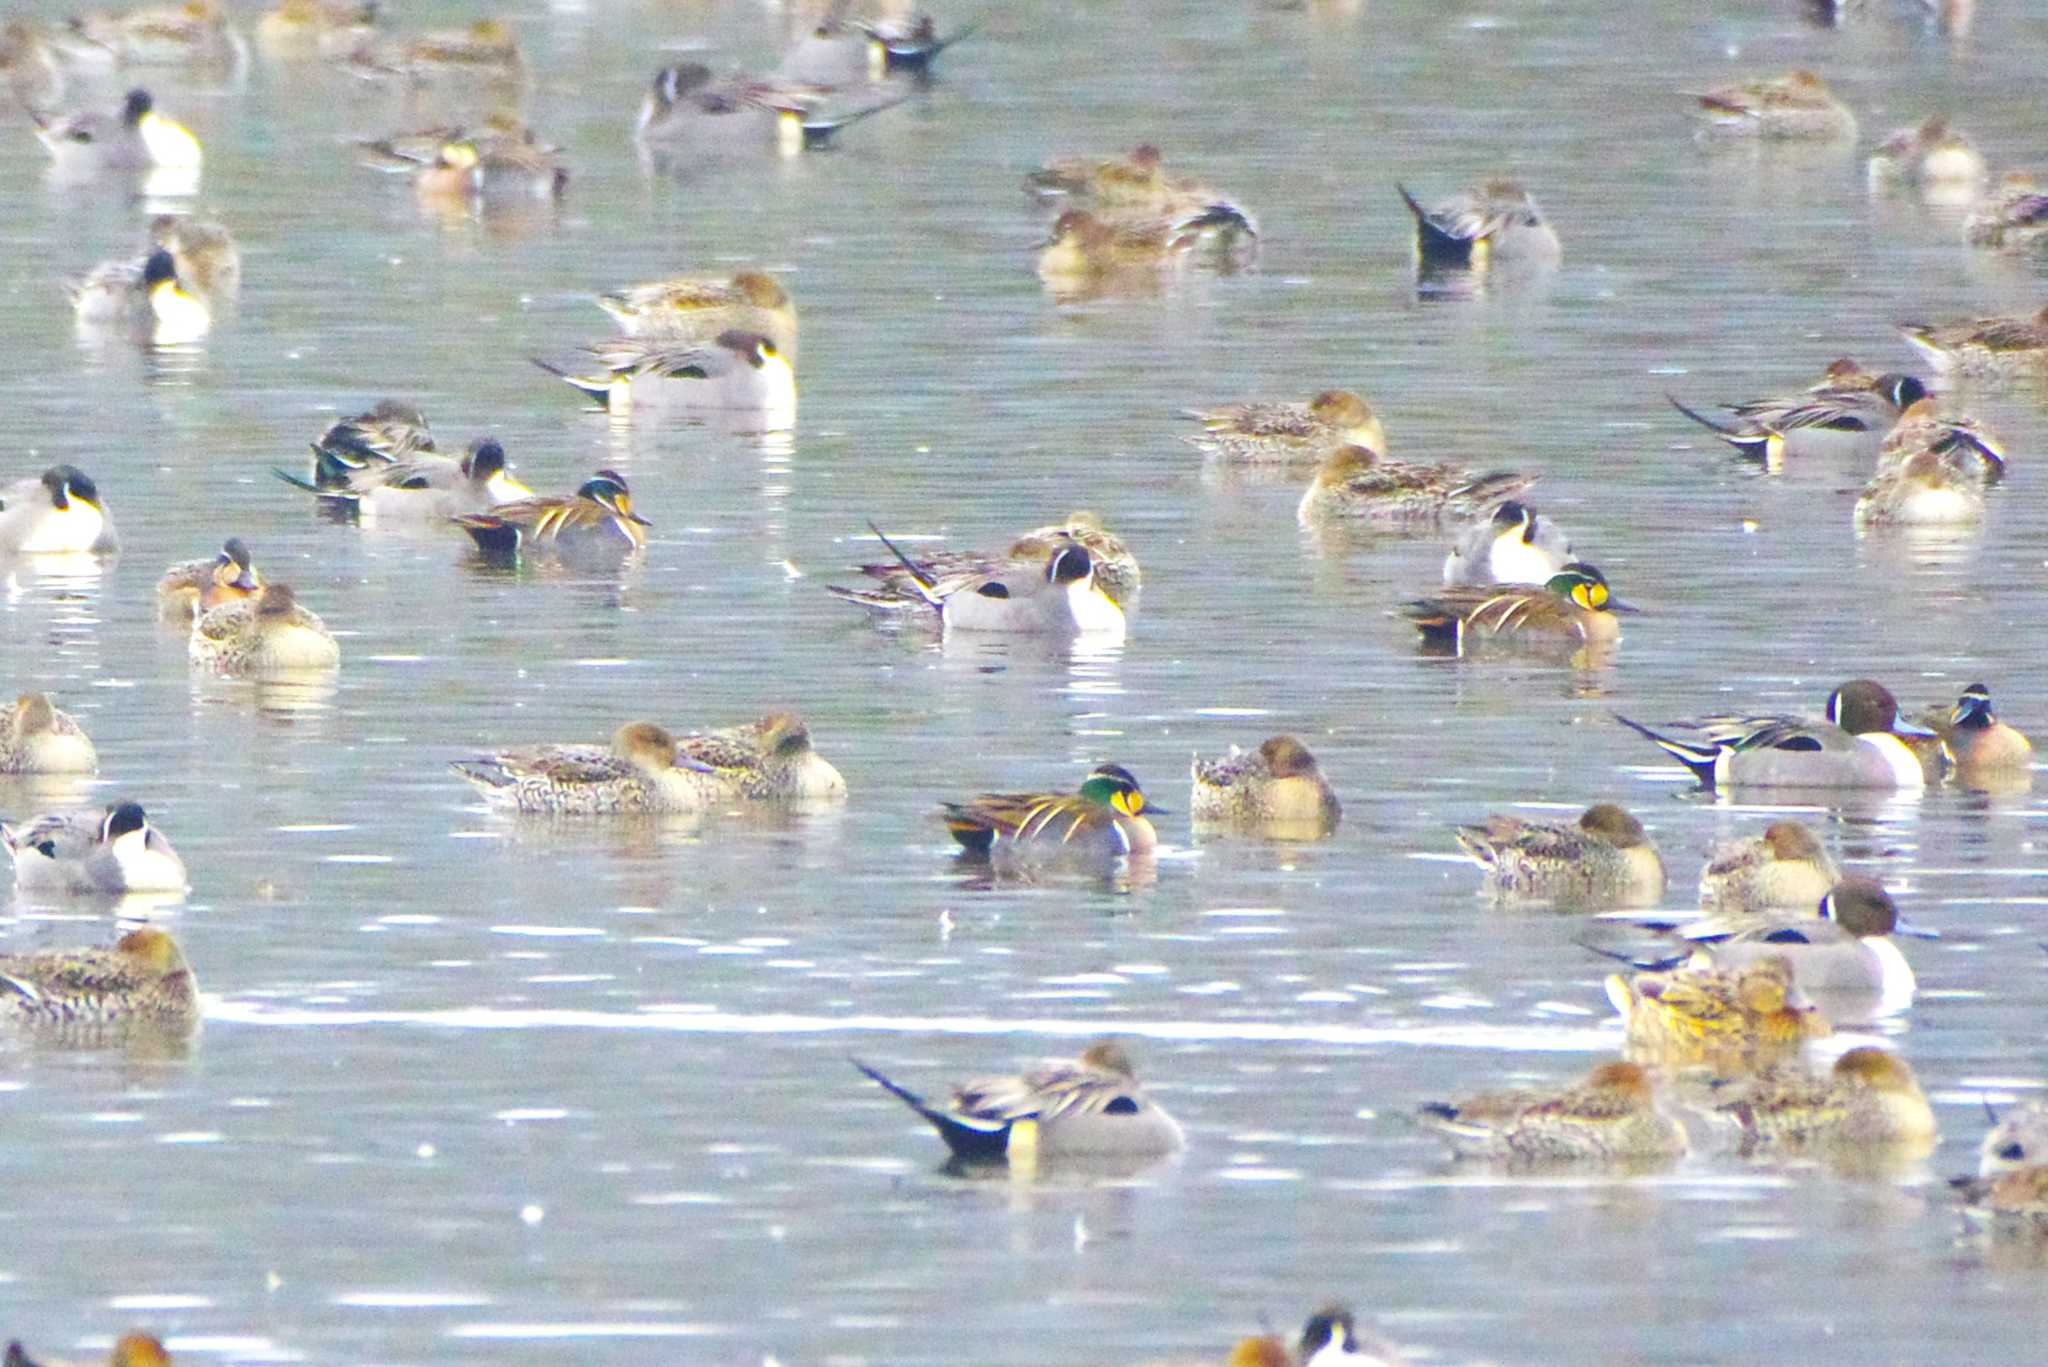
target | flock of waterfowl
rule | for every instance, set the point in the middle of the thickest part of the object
(1717, 1010)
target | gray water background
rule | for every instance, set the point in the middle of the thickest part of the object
(481, 1091)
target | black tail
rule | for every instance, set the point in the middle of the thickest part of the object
(1701, 759)
(919, 575)
(1435, 247)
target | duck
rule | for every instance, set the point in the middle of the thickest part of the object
(1087, 1107)
(269, 633)
(29, 69)
(598, 519)
(486, 49)
(147, 296)
(1085, 249)
(1604, 857)
(204, 254)
(1286, 431)
(1573, 609)
(1116, 569)
(2018, 1139)
(1856, 746)
(416, 150)
(114, 850)
(497, 172)
(1059, 597)
(130, 1350)
(141, 981)
(699, 308)
(1516, 545)
(1608, 1116)
(2013, 1200)
(57, 513)
(188, 33)
(1847, 421)
(1869, 1103)
(1277, 785)
(424, 485)
(1976, 742)
(37, 737)
(133, 138)
(1107, 817)
(1330, 1338)
(1795, 106)
(1134, 185)
(1965, 447)
(2012, 218)
(735, 371)
(193, 587)
(1783, 868)
(692, 111)
(2001, 348)
(1730, 1020)
(298, 29)
(909, 46)
(1358, 484)
(391, 431)
(1925, 490)
(1494, 224)
(1932, 157)
(642, 771)
(769, 760)
(1843, 959)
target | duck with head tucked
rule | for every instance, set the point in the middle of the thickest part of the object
(1090, 1107)
(1797, 106)
(391, 431)
(1784, 868)
(1277, 787)
(699, 308)
(1264, 431)
(93, 996)
(1731, 1020)
(770, 760)
(736, 371)
(1116, 569)
(1357, 484)
(1085, 251)
(57, 513)
(1605, 858)
(130, 1350)
(1932, 157)
(1869, 1106)
(1609, 1116)
(2012, 218)
(111, 851)
(267, 634)
(37, 737)
(191, 588)
(1106, 818)
(641, 771)
(2002, 348)
(1061, 596)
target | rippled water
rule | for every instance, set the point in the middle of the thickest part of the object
(473, 1090)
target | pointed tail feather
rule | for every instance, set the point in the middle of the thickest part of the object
(1701, 759)
(601, 393)
(919, 576)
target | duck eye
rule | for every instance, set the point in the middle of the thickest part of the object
(1122, 1105)
(2014, 1152)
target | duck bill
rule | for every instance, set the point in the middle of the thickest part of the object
(1621, 605)
(1902, 727)
(1902, 926)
